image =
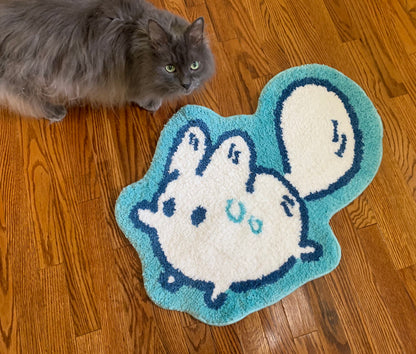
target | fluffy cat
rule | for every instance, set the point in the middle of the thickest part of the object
(55, 53)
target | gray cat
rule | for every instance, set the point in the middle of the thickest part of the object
(55, 53)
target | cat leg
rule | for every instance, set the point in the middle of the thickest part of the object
(52, 112)
(21, 101)
(151, 105)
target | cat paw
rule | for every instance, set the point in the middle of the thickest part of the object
(150, 105)
(54, 113)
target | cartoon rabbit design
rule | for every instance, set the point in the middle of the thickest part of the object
(219, 221)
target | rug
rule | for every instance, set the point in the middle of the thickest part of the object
(233, 213)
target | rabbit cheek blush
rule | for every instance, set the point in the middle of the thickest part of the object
(234, 213)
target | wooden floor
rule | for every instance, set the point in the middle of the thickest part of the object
(71, 283)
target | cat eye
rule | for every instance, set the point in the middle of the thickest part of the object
(170, 68)
(195, 65)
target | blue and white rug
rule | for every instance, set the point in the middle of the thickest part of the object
(233, 213)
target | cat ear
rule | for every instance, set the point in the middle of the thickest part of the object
(157, 35)
(195, 32)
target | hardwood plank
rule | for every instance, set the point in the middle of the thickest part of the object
(405, 111)
(245, 21)
(148, 328)
(176, 6)
(190, 3)
(287, 32)
(9, 147)
(220, 14)
(82, 172)
(276, 329)
(379, 327)
(41, 190)
(409, 6)
(57, 329)
(405, 23)
(342, 19)
(170, 330)
(309, 343)
(199, 338)
(396, 221)
(400, 134)
(64, 221)
(251, 334)
(330, 329)
(408, 276)
(361, 213)
(299, 312)
(140, 138)
(375, 31)
(108, 165)
(268, 35)
(8, 322)
(349, 310)
(27, 297)
(241, 76)
(90, 343)
(226, 339)
(390, 287)
(113, 335)
(304, 27)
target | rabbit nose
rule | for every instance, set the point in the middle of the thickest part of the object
(186, 85)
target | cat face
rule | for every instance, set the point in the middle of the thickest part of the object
(182, 62)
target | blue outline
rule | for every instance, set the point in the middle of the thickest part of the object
(336, 135)
(358, 136)
(343, 146)
(208, 287)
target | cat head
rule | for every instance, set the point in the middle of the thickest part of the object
(182, 58)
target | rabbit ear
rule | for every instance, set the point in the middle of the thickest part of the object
(232, 159)
(188, 151)
(318, 134)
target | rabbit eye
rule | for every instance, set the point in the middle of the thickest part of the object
(288, 204)
(194, 141)
(233, 154)
(198, 216)
(169, 207)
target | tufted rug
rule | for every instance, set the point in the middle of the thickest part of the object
(234, 212)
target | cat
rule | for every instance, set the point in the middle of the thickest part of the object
(56, 53)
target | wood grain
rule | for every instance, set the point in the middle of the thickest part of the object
(361, 213)
(299, 312)
(342, 19)
(309, 343)
(70, 282)
(9, 148)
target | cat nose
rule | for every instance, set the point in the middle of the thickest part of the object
(186, 85)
